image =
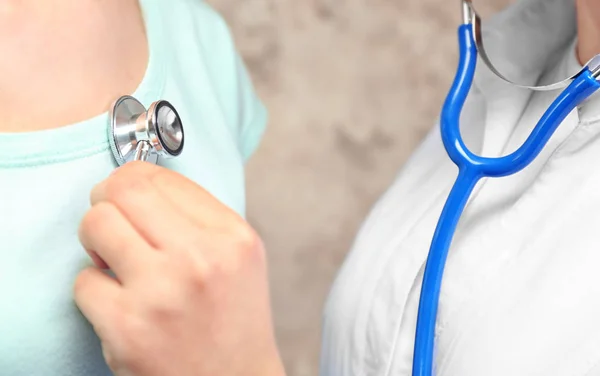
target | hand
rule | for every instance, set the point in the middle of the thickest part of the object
(190, 297)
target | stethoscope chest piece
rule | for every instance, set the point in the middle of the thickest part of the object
(137, 133)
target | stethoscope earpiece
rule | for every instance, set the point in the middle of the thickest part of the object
(137, 133)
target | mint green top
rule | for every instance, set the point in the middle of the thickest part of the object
(46, 178)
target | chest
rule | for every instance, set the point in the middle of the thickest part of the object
(520, 288)
(64, 62)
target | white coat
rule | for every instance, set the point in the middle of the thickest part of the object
(521, 290)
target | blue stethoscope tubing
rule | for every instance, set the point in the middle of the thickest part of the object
(472, 168)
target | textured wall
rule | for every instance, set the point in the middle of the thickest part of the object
(352, 86)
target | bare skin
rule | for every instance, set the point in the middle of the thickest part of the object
(53, 76)
(588, 19)
(191, 296)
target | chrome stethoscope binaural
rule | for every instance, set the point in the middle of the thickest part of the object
(140, 134)
(472, 168)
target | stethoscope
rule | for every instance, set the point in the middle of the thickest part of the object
(472, 167)
(140, 134)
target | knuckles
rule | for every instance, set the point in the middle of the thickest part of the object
(199, 273)
(133, 178)
(96, 217)
(121, 185)
(246, 243)
(241, 251)
(215, 258)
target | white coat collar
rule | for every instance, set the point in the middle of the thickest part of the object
(521, 41)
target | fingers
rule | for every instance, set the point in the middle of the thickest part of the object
(191, 200)
(106, 234)
(143, 205)
(96, 295)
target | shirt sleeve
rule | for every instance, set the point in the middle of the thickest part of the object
(244, 112)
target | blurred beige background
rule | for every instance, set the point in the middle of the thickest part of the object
(352, 86)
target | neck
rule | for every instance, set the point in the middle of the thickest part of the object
(66, 61)
(588, 24)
